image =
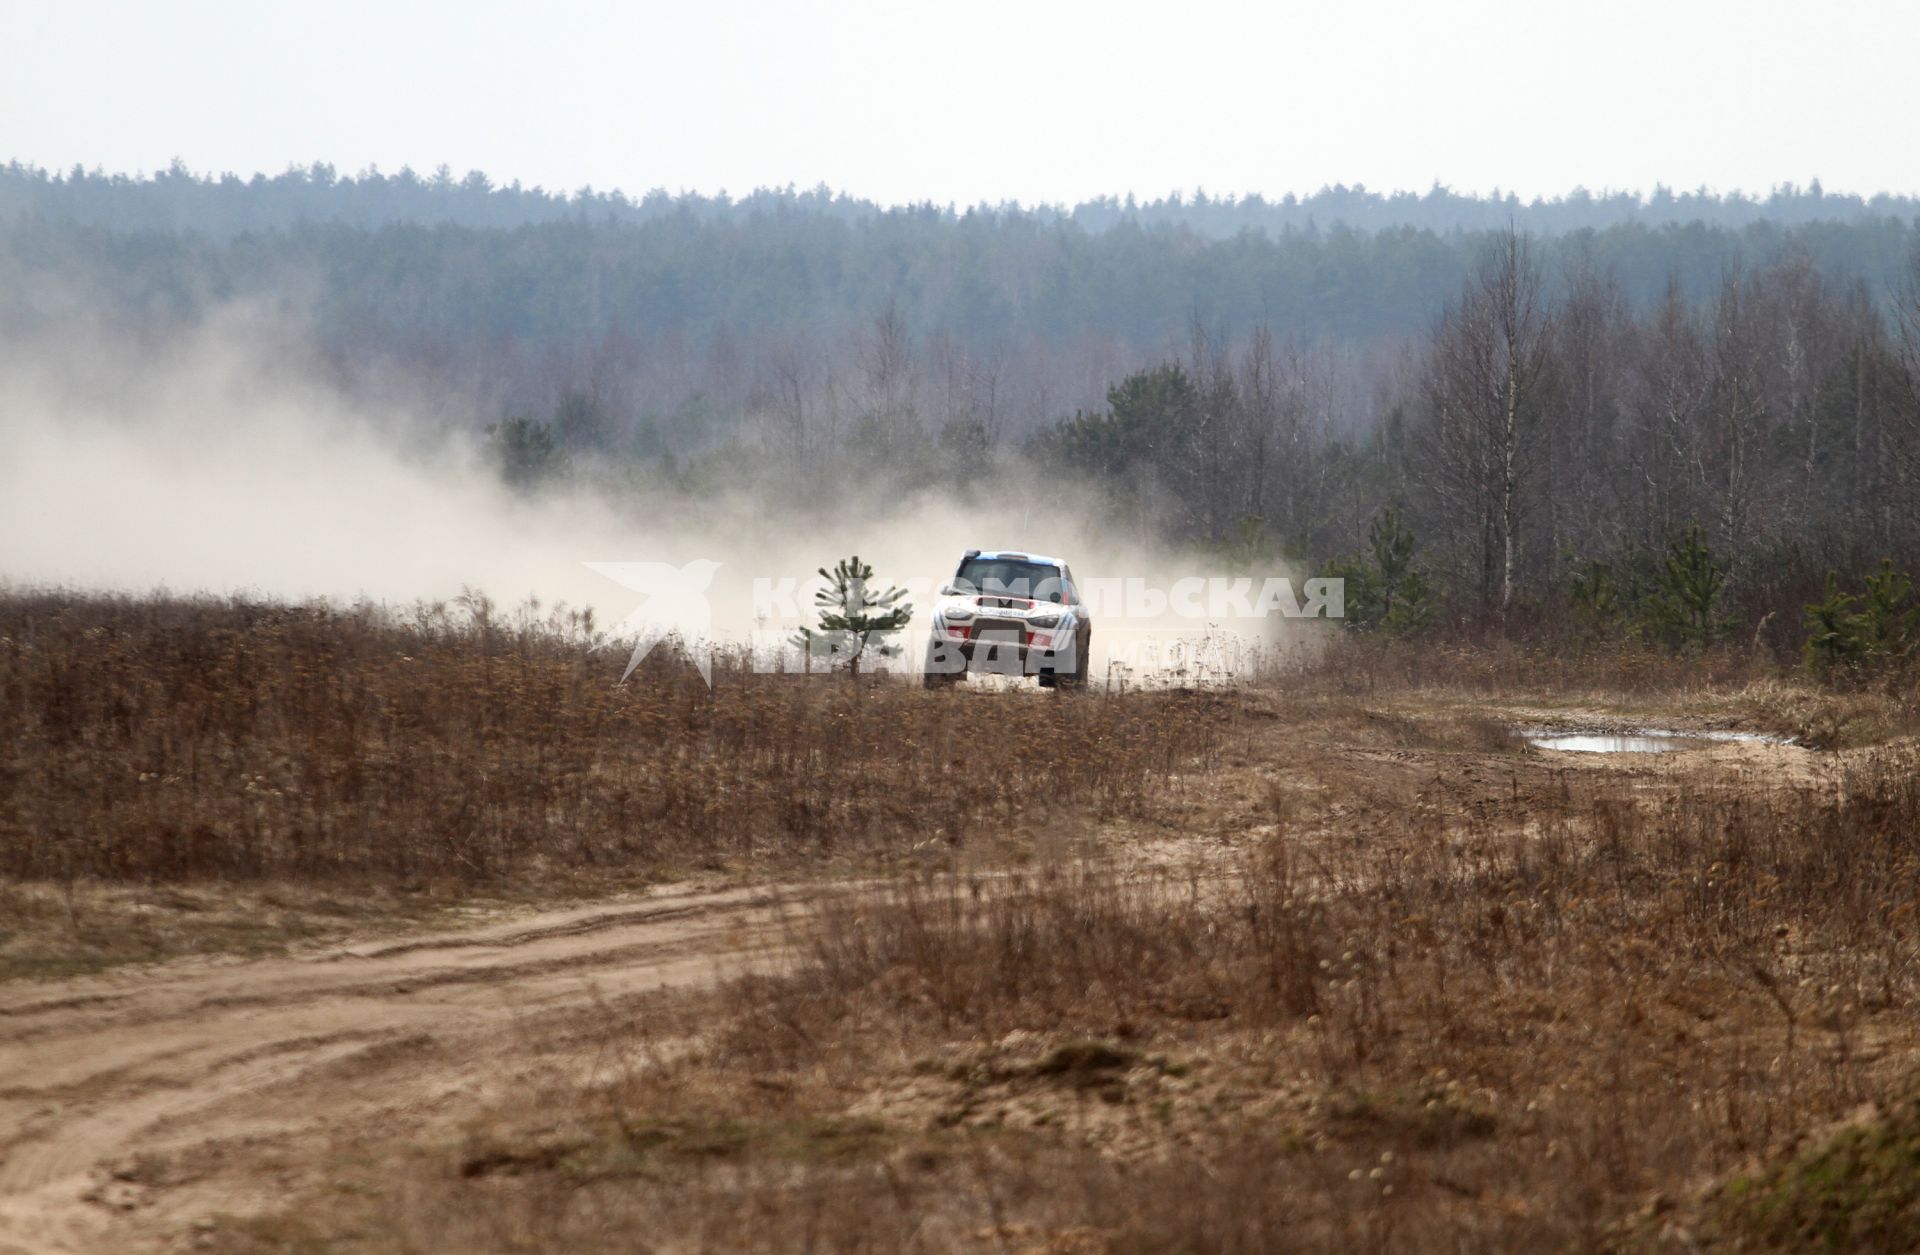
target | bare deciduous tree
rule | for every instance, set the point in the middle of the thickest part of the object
(1485, 380)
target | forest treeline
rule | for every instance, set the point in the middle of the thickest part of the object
(1669, 429)
(179, 199)
(1739, 466)
(691, 322)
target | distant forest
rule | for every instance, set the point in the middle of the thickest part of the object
(1667, 414)
(690, 320)
(178, 199)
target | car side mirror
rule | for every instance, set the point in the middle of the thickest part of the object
(951, 590)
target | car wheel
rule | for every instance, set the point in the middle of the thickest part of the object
(1077, 678)
(937, 673)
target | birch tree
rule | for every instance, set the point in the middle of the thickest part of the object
(1486, 381)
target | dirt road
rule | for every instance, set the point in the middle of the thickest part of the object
(135, 1104)
(103, 1077)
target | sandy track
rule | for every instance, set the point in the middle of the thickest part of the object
(94, 1073)
(247, 1061)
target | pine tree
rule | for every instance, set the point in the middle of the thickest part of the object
(1888, 616)
(1384, 589)
(1685, 605)
(1833, 637)
(853, 621)
(1847, 632)
(527, 454)
(1406, 603)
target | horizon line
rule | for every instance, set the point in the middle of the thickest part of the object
(443, 174)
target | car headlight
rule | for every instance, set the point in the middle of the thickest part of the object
(1044, 621)
(956, 614)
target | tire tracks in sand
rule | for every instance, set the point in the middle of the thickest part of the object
(103, 1070)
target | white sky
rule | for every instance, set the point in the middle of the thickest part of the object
(980, 100)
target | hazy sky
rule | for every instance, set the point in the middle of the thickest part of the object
(971, 100)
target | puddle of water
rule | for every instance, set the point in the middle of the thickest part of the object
(1642, 741)
(1594, 744)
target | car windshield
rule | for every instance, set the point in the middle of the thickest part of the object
(1011, 577)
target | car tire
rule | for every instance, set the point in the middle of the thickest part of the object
(1077, 678)
(936, 676)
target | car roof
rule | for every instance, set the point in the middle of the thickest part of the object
(1020, 554)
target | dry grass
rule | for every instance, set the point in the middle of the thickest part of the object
(191, 776)
(51, 931)
(176, 740)
(1419, 988)
(1548, 1011)
(1727, 685)
(1358, 663)
(1540, 1029)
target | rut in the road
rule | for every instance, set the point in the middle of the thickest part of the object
(184, 1055)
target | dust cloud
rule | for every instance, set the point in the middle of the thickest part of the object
(221, 464)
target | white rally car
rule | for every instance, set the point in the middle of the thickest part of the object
(1011, 614)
